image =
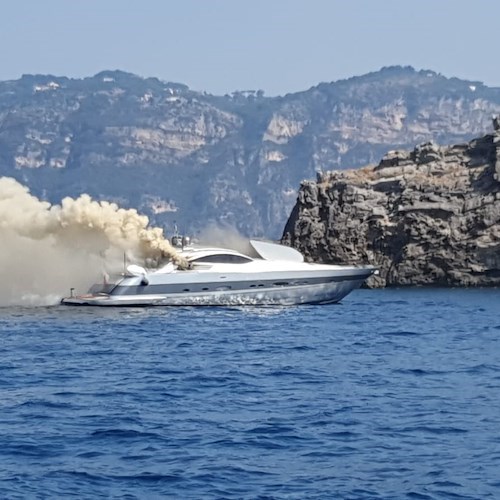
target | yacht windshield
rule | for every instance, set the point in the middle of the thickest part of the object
(223, 258)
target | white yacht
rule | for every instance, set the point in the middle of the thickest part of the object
(216, 276)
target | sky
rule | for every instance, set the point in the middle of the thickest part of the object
(278, 46)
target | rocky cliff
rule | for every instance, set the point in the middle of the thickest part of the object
(430, 216)
(190, 157)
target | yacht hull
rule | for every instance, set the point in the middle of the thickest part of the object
(330, 290)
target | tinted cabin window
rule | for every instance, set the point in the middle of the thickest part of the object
(223, 259)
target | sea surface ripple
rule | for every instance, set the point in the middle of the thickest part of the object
(390, 394)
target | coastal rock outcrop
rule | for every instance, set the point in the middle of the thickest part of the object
(430, 216)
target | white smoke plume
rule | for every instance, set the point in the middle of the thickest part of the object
(226, 236)
(47, 249)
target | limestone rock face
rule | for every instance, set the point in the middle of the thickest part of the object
(430, 216)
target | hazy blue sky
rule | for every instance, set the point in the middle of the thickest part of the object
(279, 46)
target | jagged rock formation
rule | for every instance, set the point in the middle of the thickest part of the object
(190, 157)
(426, 217)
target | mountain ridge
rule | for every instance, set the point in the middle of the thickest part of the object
(193, 157)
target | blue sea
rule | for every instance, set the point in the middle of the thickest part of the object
(392, 394)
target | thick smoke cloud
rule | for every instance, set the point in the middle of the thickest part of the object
(47, 249)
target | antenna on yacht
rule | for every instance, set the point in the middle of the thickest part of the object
(124, 263)
(176, 238)
(179, 240)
